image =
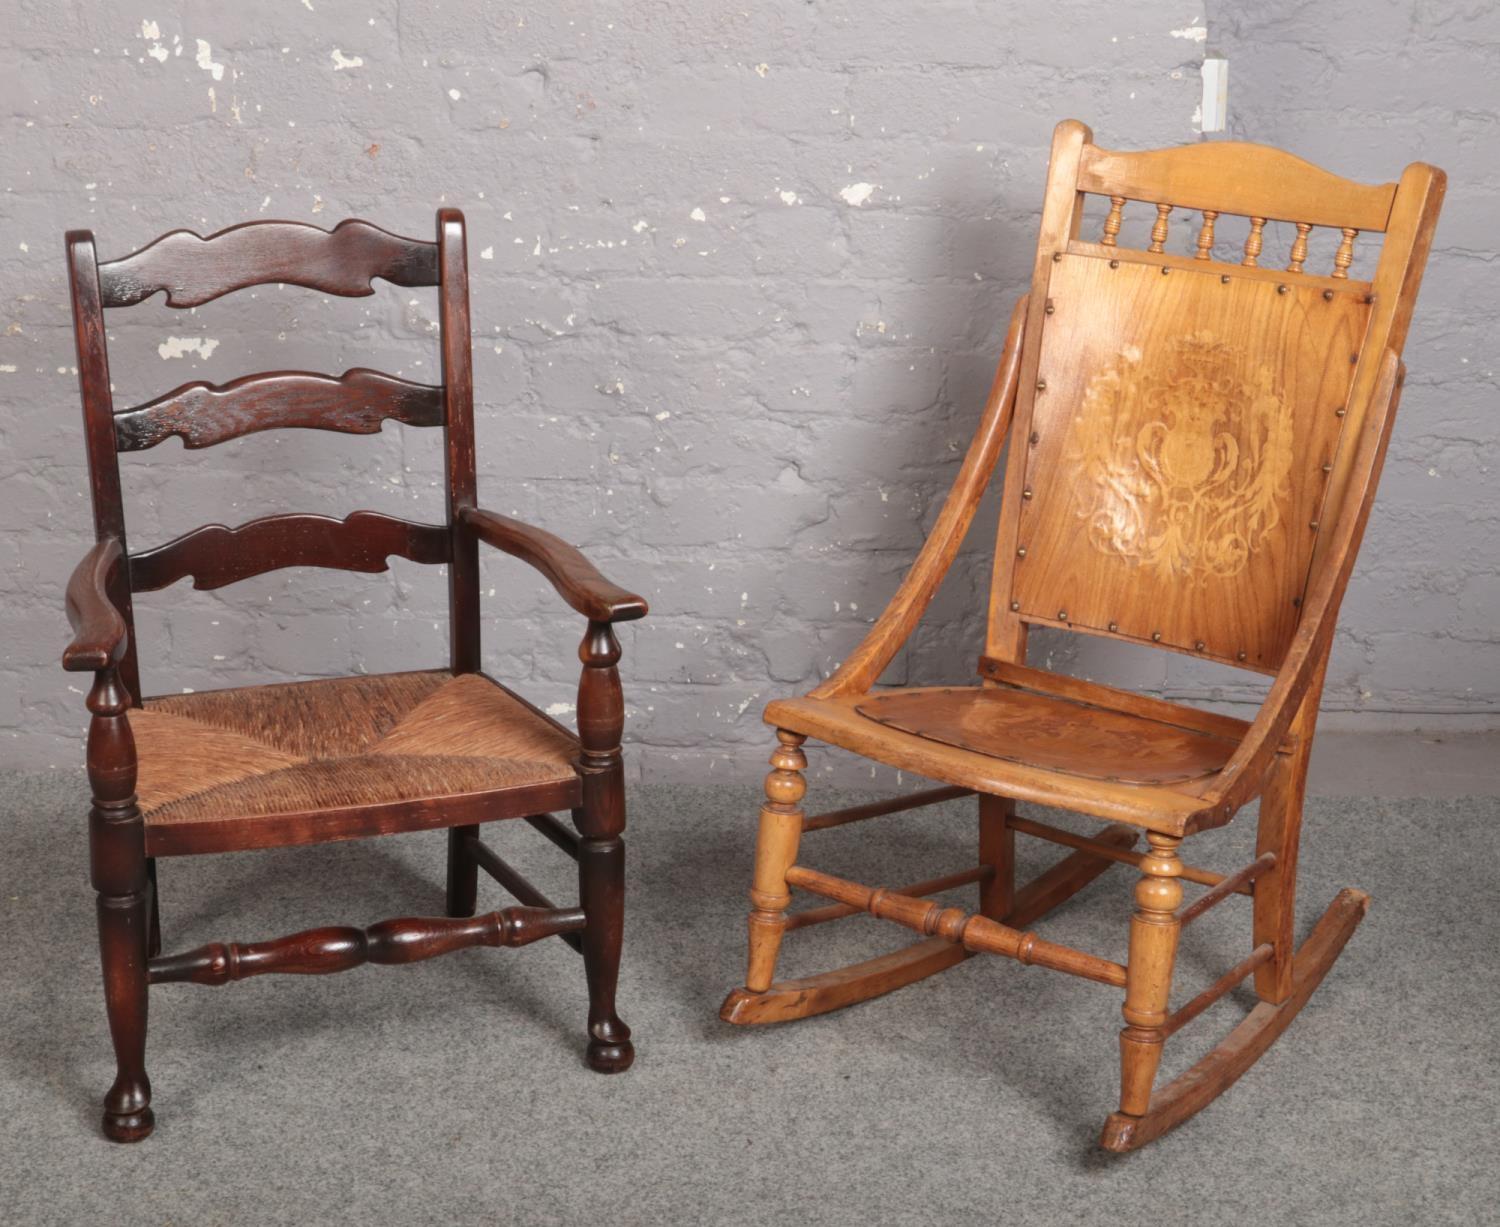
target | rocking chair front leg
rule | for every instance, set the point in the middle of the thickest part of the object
(463, 871)
(997, 849)
(117, 854)
(1148, 979)
(601, 850)
(775, 852)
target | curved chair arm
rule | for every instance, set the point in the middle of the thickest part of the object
(99, 633)
(1297, 682)
(576, 579)
(868, 661)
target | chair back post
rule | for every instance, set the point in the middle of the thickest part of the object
(99, 434)
(458, 403)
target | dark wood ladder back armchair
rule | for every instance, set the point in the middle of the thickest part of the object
(341, 758)
(1194, 448)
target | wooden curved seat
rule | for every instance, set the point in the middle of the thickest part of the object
(307, 762)
(1148, 770)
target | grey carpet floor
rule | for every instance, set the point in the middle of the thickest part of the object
(453, 1092)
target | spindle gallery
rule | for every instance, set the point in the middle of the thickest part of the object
(340, 758)
(1195, 444)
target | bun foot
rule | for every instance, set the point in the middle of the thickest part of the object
(129, 1126)
(610, 1050)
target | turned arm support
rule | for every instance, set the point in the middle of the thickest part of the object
(1242, 776)
(99, 634)
(576, 579)
(868, 661)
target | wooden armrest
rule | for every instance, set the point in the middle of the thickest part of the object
(576, 579)
(99, 634)
(1242, 776)
(868, 661)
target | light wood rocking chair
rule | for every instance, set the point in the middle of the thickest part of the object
(1195, 446)
(337, 758)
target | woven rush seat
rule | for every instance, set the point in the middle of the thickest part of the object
(339, 743)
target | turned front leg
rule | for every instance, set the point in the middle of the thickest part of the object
(775, 853)
(1148, 977)
(117, 861)
(601, 850)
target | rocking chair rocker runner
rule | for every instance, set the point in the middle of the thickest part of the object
(1195, 446)
(341, 758)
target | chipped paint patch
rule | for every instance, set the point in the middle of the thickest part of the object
(149, 29)
(454, 94)
(342, 61)
(207, 62)
(789, 198)
(762, 69)
(158, 53)
(698, 215)
(7, 368)
(487, 254)
(181, 347)
(857, 193)
(560, 709)
(1194, 34)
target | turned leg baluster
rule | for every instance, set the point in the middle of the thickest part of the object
(775, 853)
(1148, 978)
(601, 850)
(117, 856)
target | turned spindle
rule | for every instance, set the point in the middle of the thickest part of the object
(1254, 241)
(1299, 248)
(1344, 256)
(1206, 236)
(775, 853)
(1159, 228)
(1112, 222)
(1154, 929)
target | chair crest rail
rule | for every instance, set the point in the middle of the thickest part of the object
(215, 555)
(194, 270)
(202, 414)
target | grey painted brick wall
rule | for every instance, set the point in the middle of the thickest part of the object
(739, 275)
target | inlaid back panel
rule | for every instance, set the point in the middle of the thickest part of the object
(1184, 425)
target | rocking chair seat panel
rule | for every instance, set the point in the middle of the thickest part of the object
(1053, 733)
(839, 722)
(248, 757)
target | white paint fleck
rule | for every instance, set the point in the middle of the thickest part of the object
(789, 198)
(7, 368)
(342, 61)
(857, 193)
(663, 415)
(487, 254)
(762, 69)
(454, 94)
(317, 204)
(537, 250)
(207, 62)
(698, 215)
(181, 347)
(1194, 34)
(307, 4)
(149, 29)
(158, 53)
(559, 709)
(638, 227)
(24, 247)
(264, 203)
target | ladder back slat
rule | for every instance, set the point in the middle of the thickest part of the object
(215, 555)
(194, 270)
(202, 414)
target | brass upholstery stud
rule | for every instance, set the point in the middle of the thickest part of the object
(1041, 385)
(1057, 257)
(1062, 615)
(1327, 295)
(1026, 493)
(1155, 636)
(1198, 646)
(1015, 606)
(1165, 269)
(1282, 289)
(1021, 551)
(1050, 307)
(1114, 264)
(1224, 279)
(1313, 524)
(1114, 626)
(1339, 412)
(1327, 468)
(1241, 654)
(1035, 437)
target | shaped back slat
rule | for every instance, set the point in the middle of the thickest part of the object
(215, 555)
(202, 414)
(194, 270)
